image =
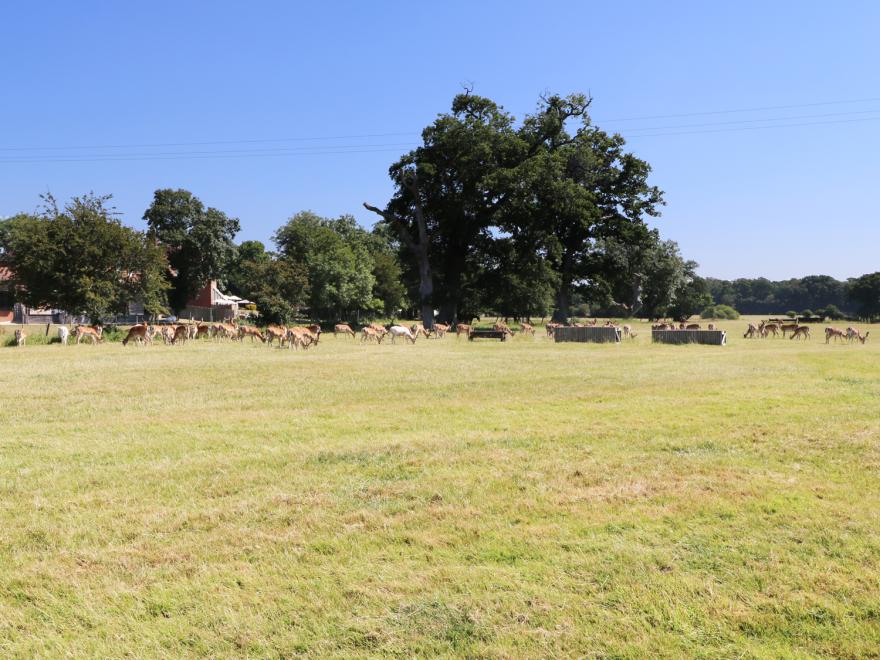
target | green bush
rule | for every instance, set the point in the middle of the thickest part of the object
(832, 312)
(720, 312)
(791, 314)
(808, 312)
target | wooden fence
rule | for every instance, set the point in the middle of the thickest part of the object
(711, 337)
(591, 333)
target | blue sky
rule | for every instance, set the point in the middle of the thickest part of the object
(781, 202)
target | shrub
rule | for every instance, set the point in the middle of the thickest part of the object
(832, 312)
(720, 312)
(791, 315)
(808, 312)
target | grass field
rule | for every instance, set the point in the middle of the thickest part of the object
(521, 499)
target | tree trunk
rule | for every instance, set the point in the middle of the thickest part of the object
(563, 294)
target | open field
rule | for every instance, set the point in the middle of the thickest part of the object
(487, 499)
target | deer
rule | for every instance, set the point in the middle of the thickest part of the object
(401, 331)
(252, 332)
(834, 333)
(137, 333)
(180, 335)
(418, 329)
(274, 332)
(751, 331)
(767, 328)
(20, 337)
(343, 329)
(711, 326)
(440, 329)
(462, 329)
(801, 331)
(297, 337)
(692, 326)
(787, 327)
(93, 332)
(380, 329)
(370, 334)
(63, 334)
(527, 329)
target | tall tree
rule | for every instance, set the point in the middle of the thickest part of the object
(198, 241)
(864, 291)
(334, 254)
(82, 259)
(587, 195)
(449, 190)
(277, 286)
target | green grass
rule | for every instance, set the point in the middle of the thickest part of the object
(486, 499)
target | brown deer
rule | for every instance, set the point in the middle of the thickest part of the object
(370, 334)
(440, 329)
(527, 328)
(342, 329)
(751, 331)
(801, 331)
(20, 337)
(137, 333)
(252, 332)
(834, 333)
(462, 329)
(788, 327)
(93, 332)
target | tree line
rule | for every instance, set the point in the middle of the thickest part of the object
(806, 296)
(543, 217)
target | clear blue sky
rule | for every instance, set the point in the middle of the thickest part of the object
(781, 202)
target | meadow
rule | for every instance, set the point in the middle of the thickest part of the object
(517, 499)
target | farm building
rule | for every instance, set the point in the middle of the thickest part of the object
(211, 304)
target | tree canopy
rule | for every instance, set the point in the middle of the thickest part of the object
(198, 241)
(80, 258)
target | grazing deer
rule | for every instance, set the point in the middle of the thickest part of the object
(137, 333)
(252, 332)
(834, 333)
(711, 326)
(527, 329)
(93, 332)
(180, 335)
(63, 334)
(401, 331)
(370, 334)
(418, 329)
(692, 326)
(462, 329)
(440, 329)
(274, 332)
(381, 330)
(863, 338)
(20, 337)
(788, 327)
(315, 329)
(751, 331)
(300, 337)
(342, 329)
(769, 328)
(801, 331)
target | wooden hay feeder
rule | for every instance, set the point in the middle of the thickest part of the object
(592, 333)
(709, 337)
(487, 334)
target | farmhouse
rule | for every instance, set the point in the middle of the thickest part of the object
(211, 304)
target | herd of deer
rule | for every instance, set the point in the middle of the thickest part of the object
(798, 331)
(305, 336)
